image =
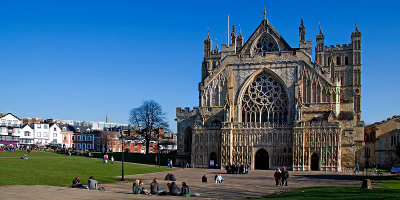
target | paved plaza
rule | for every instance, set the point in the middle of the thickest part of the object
(257, 183)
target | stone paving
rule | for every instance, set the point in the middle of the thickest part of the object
(257, 183)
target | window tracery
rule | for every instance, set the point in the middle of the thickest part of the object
(264, 100)
(266, 44)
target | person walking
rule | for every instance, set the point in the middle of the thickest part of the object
(112, 159)
(277, 176)
(284, 176)
(357, 168)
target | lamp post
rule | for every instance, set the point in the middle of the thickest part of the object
(122, 139)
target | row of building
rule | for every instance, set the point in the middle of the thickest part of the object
(99, 136)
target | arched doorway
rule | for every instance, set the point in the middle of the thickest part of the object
(213, 163)
(188, 140)
(314, 162)
(261, 159)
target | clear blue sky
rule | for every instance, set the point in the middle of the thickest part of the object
(82, 59)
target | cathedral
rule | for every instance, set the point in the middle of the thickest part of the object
(266, 104)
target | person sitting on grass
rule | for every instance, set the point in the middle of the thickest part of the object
(92, 183)
(174, 189)
(184, 190)
(76, 183)
(25, 157)
(137, 188)
(154, 187)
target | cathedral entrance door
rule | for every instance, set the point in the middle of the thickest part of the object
(314, 162)
(261, 160)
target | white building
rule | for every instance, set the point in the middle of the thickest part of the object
(10, 126)
(55, 135)
(26, 135)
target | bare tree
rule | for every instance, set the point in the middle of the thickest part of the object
(150, 116)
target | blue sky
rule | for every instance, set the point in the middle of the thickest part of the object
(83, 59)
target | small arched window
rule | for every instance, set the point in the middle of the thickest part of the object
(346, 60)
(338, 61)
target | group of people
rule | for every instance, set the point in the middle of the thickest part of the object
(92, 184)
(173, 188)
(105, 159)
(237, 169)
(281, 176)
(170, 177)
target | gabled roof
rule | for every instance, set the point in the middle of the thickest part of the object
(265, 28)
(9, 114)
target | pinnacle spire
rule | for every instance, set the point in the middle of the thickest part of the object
(320, 32)
(265, 14)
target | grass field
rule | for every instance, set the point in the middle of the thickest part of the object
(384, 187)
(48, 168)
(342, 193)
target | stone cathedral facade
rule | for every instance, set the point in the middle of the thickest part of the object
(268, 105)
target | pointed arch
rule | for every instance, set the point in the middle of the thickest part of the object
(263, 98)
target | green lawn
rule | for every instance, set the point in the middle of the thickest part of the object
(342, 193)
(388, 182)
(48, 168)
(384, 187)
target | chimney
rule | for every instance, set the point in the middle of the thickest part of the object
(1, 114)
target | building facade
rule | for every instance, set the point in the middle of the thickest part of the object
(381, 139)
(268, 105)
(10, 129)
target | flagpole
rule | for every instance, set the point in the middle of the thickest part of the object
(228, 32)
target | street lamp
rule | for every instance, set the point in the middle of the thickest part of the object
(122, 138)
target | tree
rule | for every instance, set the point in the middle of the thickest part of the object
(150, 116)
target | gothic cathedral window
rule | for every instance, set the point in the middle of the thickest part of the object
(265, 100)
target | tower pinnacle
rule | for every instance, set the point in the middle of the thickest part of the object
(265, 14)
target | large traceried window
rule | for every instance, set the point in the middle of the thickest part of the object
(264, 100)
(266, 44)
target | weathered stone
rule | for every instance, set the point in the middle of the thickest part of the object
(268, 105)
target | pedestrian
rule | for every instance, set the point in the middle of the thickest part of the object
(284, 176)
(168, 163)
(277, 176)
(112, 159)
(357, 168)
